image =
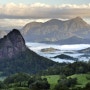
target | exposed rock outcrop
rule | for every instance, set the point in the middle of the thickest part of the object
(12, 44)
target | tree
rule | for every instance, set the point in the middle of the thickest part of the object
(17, 78)
(2, 85)
(38, 84)
(65, 84)
(87, 87)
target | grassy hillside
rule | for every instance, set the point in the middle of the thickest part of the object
(52, 79)
(81, 79)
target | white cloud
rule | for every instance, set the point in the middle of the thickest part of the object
(40, 11)
(12, 14)
(13, 22)
(17, 23)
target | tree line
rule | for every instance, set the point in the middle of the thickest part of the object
(68, 69)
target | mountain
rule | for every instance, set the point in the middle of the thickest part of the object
(32, 25)
(55, 30)
(66, 57)
(86, 50)
(11, 45)
(16, 57)
(73, 40)
(49, 50)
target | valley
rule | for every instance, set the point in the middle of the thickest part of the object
(52, 50)
(40, 66)
(44, 44)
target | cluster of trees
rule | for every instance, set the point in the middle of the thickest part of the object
(65, 83)
(38, 83)
(19, 79)
(87, 87)
(68, 69)
(16, 80)
(23, 81)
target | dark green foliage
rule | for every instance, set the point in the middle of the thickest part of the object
(2, 85)
(87, 87)
(65, 84)
(21, 88)
(77, 88)
(58, 87)
(88, 77)
(23, 81)
(17, 78)
(35, 83)
(68, 68)
(63, 56)
(20, 81)
(27, 61)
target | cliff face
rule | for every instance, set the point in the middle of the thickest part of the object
(12, 44)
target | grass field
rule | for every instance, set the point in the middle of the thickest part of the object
(81, 79)
(52, 79)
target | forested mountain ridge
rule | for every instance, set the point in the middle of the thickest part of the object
(16, 57)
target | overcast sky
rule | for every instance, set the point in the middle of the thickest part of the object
(19, 12)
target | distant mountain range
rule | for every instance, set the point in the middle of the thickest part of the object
(86, 51)
(73, 40)
(73, 31)
(16, 57)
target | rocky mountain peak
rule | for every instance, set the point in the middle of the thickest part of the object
(79, 20)
(12, 44)
(14, 31)
(53, 22)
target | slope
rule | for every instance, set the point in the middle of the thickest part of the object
(16, 57)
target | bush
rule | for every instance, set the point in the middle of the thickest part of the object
(17, 78)
(88, 77)
(21, 88)
(38, 84)
(2, 85)
(87, 87)
(65, 84)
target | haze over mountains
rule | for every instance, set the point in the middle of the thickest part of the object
(73, 31)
